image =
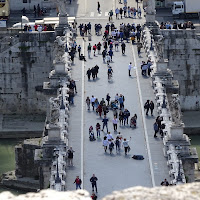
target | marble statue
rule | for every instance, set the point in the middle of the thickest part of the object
(54, 110)
(62, 7)
(59, 48)
(176, 109)
(160, 47)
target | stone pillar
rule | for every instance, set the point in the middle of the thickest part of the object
(150, 12)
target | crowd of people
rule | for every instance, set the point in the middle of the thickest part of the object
(175, 25)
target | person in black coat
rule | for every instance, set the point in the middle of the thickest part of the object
(151, 106)
(147, 106)
(89, 73)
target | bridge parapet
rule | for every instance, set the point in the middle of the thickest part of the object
(181, 157)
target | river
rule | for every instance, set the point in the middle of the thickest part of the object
(7, 159)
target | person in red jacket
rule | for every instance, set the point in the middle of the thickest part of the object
(95, 48)
(78, 182)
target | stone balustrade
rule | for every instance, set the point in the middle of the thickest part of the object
(168, 108)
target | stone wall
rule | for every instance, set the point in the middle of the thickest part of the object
(181, 192)
(25, 62)
(182, 49)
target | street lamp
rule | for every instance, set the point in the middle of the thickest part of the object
(57, 180)
(137, 6)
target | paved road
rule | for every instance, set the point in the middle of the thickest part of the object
(117, 171)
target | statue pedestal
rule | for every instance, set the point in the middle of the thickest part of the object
(150, 19)
(60, 68)
(162, 65)
(176, 132)
(63, 23)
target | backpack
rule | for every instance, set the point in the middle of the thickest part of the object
(138, 157)
(111, 145)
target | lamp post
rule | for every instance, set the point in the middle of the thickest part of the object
(57, 180)
(137, 6)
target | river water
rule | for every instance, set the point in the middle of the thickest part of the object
(7, 159)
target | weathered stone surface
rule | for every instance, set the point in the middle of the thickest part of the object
(181, 192)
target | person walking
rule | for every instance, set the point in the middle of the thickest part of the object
(89, 50)
(117, 144)
(104, 53)
(123, 46)
(99, 109)
(99, 47)
(117, 13)
(121, 117)
(126, 145)
(78, 182)
(129, 69)
(88, 102)
(146, 107)
(155, 127)
(98, 7)
(151, 106)
(105, 123)
(126, 116)
(93, 181)
(94, 49)
(139, 12)
(121, 12)
(105, 143)
(108, 99)
(98, 128)
(115, 121)
(89, 73)
(70, 155)
(111, 146)
(110, 54)
(79, 51)
(92, 100)
(121, 101)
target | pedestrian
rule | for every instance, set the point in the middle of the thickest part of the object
(93, 181)
(89, 27)
(99, 47)
(117, 97)
(109, 136)
(93, 73)
(125, 10)
(102, 102)
(117, 144)
(70, 155)
(105, 109)
(151, 106)
(98, 128)
(105, 143)
(123, 46)
(96, 103)
(110, 54)
(155, 127)
(108, 99)
(92, 100)
(111, 145)
(99, 109)
(89, 50)
(117, 13)
(121, 12)
(165, 183)
(126, 116)
(104, 55)
(110, 15)
(129, 69)
(139, 12)
(78, 182)
(146, 107)
(94, 196)
(94, 49)
(121, 117)
(139, 46)
(115, 121)
(116, 45)
(98, 7)
(79, 51)
(121, 102)
(88, 102)
(105, 123)
(89, 73)
(126, 145)
(96, 67)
